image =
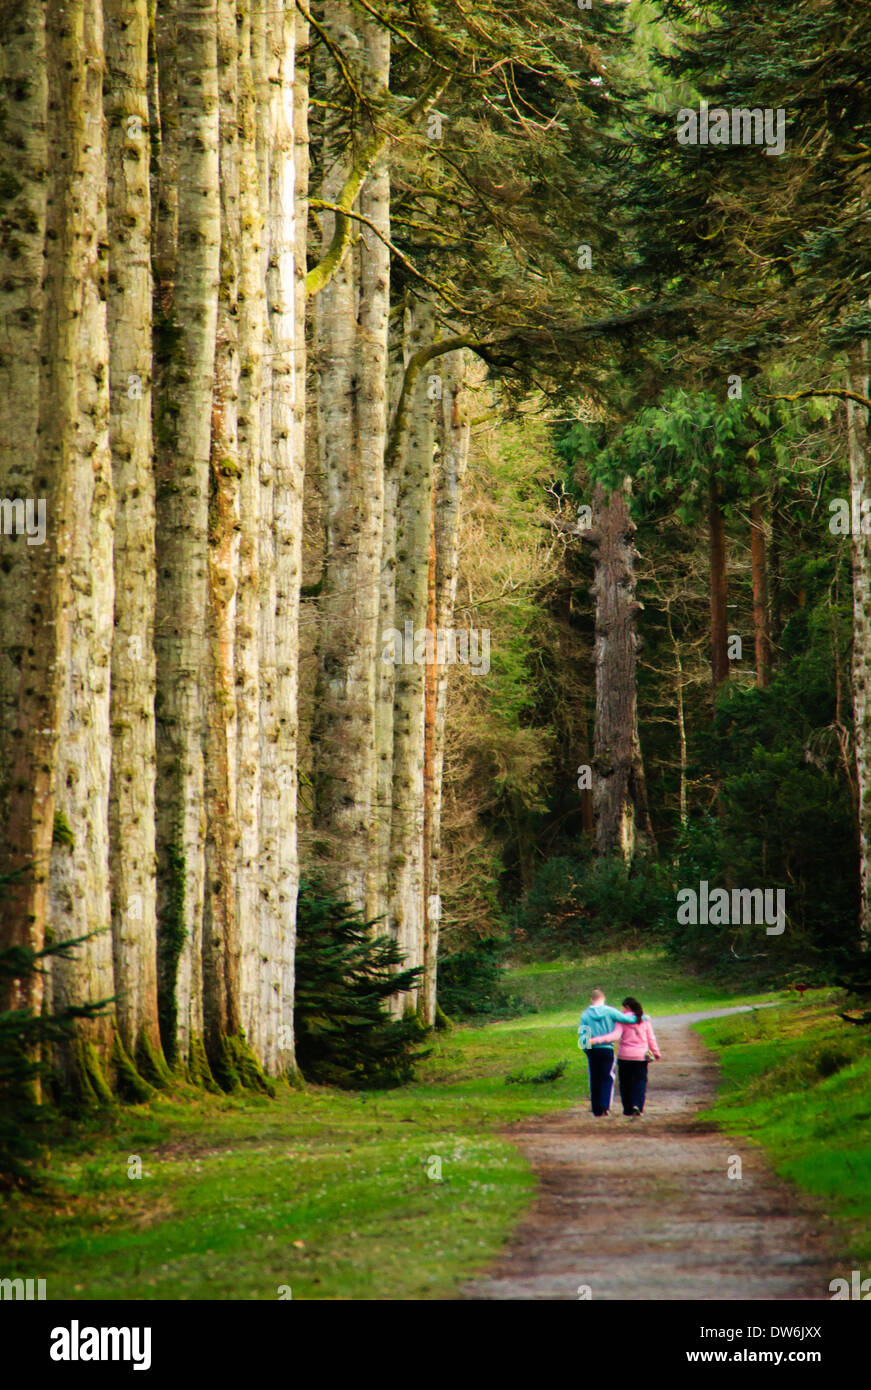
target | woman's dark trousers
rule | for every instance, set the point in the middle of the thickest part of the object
(633, 1085)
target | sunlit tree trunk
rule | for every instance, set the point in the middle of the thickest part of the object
(80, 895)
(131, 804)
(252, 345)
(453, 435)
(385, 675)
(32, 466)
(413, 519)
(184, 410)
(221, 1016)
(287, 496)
(351, 346)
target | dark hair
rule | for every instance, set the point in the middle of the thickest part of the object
(632, 1006)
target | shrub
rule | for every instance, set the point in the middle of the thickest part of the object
(575, 902)
(345, 977)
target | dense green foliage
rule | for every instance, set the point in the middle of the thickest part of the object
(582, 903)
(471, 981)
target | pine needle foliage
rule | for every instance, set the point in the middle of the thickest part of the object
(25, 1040)
(345, 978)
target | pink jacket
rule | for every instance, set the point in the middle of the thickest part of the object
(635, 1039)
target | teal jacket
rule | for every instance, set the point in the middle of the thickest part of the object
(598, 1019)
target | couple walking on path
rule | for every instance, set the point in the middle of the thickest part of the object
(601, 1025)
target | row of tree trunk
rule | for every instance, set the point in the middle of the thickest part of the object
(153, 394)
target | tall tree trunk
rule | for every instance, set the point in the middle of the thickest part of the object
(681, 716)
(619, 790)
(184, 410)
(287, 497)
(221, 1016)
(35, 409)
(351, 345)
(454, 435)
(267, 62)
(252, 345)
(80, 895)
(131, 803)
(719, 628)
(373, 279)
(859, 440)
(413, 516)
(760, 596)
(386, 670)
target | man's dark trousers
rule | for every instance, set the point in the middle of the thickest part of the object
(633, 1085)
(601, 1063)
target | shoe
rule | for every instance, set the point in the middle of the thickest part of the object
(636, 1113)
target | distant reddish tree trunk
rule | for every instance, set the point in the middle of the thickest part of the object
(619, 788)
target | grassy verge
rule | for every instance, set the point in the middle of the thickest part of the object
(797, 1081)
(380, 1195)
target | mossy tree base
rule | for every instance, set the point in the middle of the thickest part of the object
(126, 1080)
(235, 1067)
(151, 1062)
(87, 1085)
(199, 1073)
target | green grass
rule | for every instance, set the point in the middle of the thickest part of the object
(326, 1192)
(650, 975)
(797, 1081)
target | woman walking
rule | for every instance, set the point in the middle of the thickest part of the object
(638, 1046)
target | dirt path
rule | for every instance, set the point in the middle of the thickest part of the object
(644, 1209)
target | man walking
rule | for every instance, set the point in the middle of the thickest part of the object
(597, 1019)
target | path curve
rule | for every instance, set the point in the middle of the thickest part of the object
(644, 1209)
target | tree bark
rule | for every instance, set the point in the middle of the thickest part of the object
(859, 442)
(386, 670)
(131, 803)
(453, 433)
(413, 518)
(351, 345)
(184, 409)
(619, 789)
(34, 415)
(719, 628)
(221, 1015)
(80, 893)
(288, 479)
(252, 347)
